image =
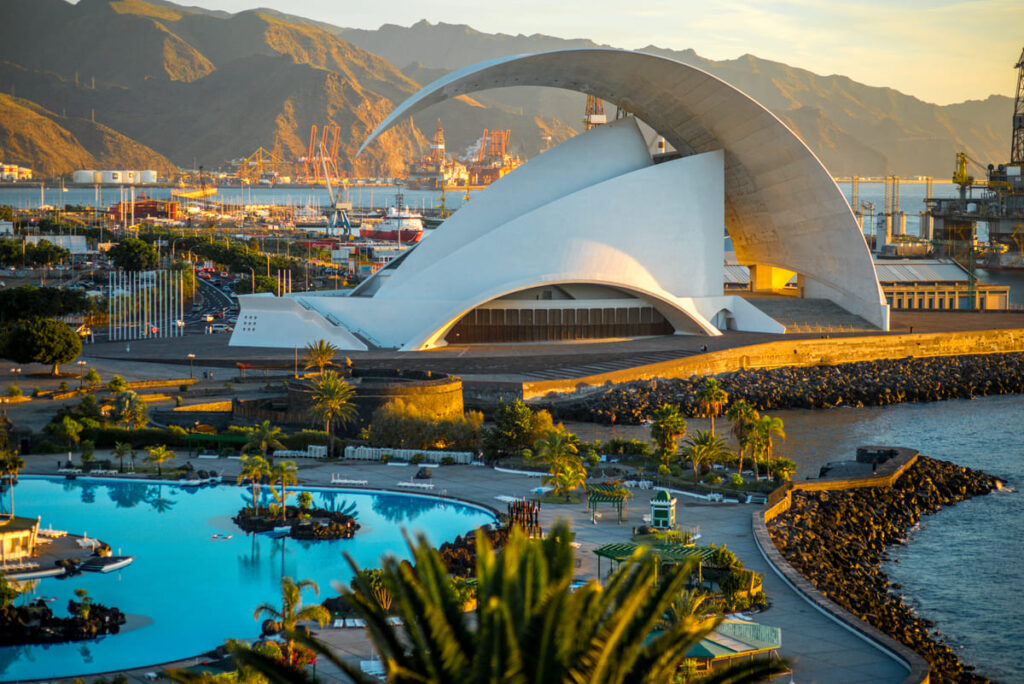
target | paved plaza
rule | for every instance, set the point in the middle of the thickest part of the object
(818, 649)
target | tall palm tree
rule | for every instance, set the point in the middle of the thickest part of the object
(158, 455)
(704, 447)
(253, 469)
(285, 475)
(292, 611)
(528, 625)
(711, 399)
(742, 415)
(122, 449)
(319, 354)
(10, 465)
(332, 402)
(667, 428)
(766, 428)
(263, 437)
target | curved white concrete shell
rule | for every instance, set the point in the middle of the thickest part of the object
(595, 239)
(782, 208)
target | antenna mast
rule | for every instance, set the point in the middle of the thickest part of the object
(1017, 146)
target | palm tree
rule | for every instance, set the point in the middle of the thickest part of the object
(666, 430)
(319, 354)
(292, 611)
(159, 455)
(122, 449)
(711, 399)
(765, 428)
(130, 409)
(284, 474)
(704, 447)
(253, 469)
(263, 437)
(554, 446)
(10, 465)
(742, 415)
(332, 402)
(567, 474)
(528, 625)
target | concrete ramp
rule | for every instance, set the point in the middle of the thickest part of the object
(810, 315)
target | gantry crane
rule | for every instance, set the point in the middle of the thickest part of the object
(593, 115)
(323, 153)
(1017, 145)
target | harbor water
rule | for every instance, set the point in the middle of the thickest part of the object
(963, 566)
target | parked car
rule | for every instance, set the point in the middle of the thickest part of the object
(220, 328)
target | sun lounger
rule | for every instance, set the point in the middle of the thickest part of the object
(394, 621)
(338, 623)
(372, 667)
(416, 485)
(355, 622)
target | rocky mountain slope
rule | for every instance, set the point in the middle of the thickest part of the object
(852, 127)
(52, 144)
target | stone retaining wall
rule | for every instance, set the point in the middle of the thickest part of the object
(813, 352)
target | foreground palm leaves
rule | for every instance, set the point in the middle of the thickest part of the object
(528, 627)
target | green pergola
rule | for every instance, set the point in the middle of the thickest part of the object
(667, 554)
(605, 494)
(200, 439)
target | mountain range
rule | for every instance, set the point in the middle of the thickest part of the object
(123, 83)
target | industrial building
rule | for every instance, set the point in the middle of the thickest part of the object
(114, 177)
(11, 173)
(544, 253)
(143, 207)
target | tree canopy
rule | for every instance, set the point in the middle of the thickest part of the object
(132, 254)
(41, 340)
(47, 302)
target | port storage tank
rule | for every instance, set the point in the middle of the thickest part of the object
(129, 176)
(86, 177)
(148, 176)
(111, 177)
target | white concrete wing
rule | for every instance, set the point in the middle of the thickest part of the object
(782, 208)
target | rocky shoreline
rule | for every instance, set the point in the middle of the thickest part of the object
(836, 539)
(864, 383)
(35, 623)
(308, 524)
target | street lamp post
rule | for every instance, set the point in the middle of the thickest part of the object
(252, 274)
(191, 372)
(81, 373)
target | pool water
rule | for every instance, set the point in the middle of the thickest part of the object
(198, 590)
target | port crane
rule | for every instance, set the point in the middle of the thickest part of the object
(594, 115)
(338, 211)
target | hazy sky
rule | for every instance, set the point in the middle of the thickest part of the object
(938, 50)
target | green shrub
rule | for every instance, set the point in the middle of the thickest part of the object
(117, 385)
(416, 459)
(627, 447)
(36, 391)
(183, 388)
(48, 447)
(398, 425)
(88, 450)
(712, 479)
(385, 458)
(676, 470)
(178, 401)
(63, 386)
(664, 470)
(105, 437)
(14, 391)
(736, 480)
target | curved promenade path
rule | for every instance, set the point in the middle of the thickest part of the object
(818, 649)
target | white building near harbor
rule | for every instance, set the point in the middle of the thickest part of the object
(597, 239)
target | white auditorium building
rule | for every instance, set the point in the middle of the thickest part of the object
(595, 238)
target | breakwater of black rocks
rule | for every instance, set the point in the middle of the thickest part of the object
(864, 383)
(836, 539)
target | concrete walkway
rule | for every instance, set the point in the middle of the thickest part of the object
(819, 649)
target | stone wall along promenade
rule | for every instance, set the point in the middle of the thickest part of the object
(863, 383)
(799, 353)
(835, 534)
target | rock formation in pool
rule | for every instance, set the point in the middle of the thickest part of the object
(35, 623)
(303, 523)
(836, 539)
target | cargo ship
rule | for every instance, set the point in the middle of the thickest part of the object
(399, 225)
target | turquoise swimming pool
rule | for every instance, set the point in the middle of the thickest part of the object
(190, 589)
